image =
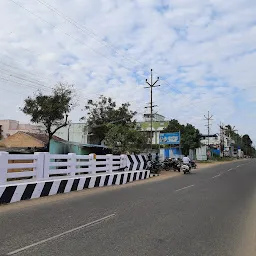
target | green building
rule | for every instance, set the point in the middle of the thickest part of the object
(159, 124)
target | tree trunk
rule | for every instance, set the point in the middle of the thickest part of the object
(48, 143)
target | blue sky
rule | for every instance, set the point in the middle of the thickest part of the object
(203, 50)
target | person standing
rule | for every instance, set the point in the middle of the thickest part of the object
(157, 157)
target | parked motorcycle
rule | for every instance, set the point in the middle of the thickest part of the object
(167, 164)
(154, 166)
(176, 165)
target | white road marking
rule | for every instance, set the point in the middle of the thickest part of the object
(216, 176)
(62, 234)
(184, 188)
(229, 170)
(238, 166)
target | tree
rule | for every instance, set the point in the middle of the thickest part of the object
(247, 144)
(125, 138)
(103, 112)
(190, 136)
(50, 110)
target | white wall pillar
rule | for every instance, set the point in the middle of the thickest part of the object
(39, 161)
(109, 162)
(92, 163)
(3, 167)
(47, 159)
(72, 164)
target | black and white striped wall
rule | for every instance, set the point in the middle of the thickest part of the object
(23, 191)
(136, 162)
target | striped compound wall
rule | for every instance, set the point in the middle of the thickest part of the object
(30, 190)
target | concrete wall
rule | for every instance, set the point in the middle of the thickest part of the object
(170, 153)
(75, 132)
(201, 153)
(77, 172)
(57, 147)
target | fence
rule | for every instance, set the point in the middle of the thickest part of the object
(40, 166)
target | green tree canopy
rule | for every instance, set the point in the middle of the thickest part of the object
(247, 147)
(50, 110)
(124, 138)
(103, 112)
(244, 141)
(190, 136)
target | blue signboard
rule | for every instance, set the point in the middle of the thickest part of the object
(169, 138)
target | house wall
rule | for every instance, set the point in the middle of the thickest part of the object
(170, 153)
(201, 153)
(57, 147)
(20, 140)
(75, 132)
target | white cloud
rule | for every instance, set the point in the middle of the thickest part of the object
(205, 50)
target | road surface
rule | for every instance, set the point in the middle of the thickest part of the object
(210, 212)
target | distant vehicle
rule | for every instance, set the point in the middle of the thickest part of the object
(193, 164)
(186, 168)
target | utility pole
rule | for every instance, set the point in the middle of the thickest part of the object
(222, 130)
(208, 118)
(151, 86)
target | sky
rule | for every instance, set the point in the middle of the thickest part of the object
(204, 52)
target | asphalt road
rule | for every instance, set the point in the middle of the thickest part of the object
(210, 212)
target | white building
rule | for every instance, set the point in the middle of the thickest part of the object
(75, 132)
(212, 140)
(10, 127)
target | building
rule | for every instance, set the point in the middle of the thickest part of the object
(213, 140)
(75, 132)
(159, 124)
(220, 145)
(27, 142)
(10, 127)
(65, 147)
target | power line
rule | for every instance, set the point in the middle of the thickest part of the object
(84, 29)
(15, 82)
(94, 35)
(24, 78)
(32, 73)
(74, 23)
(67, 34)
